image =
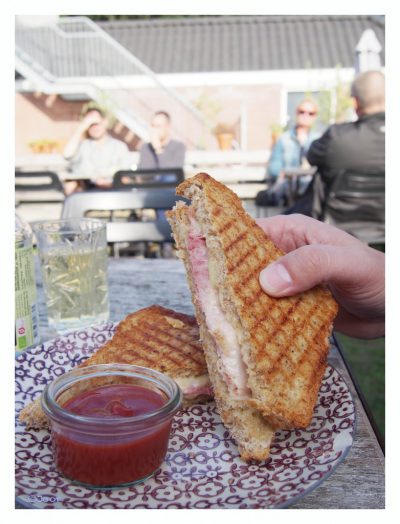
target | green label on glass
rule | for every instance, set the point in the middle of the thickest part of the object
(26, 322)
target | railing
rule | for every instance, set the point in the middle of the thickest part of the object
(75, 51)
(245, 169)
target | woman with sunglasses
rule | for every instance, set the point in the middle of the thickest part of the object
(290, 152)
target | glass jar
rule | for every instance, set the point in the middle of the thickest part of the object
(110, 451)
(73, 260)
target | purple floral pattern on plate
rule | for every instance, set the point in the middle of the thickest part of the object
(202, 468)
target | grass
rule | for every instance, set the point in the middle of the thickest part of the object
(366, 359)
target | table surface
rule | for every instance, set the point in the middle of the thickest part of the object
(300, 171)
(227, 166)
(134, 283)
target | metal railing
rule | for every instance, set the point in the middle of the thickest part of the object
(74, 52)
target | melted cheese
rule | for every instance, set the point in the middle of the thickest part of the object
(230, 362)
(194, 386)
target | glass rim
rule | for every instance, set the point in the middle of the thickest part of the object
(39, 226)
(64, 417)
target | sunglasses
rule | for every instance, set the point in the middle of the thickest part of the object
(303, 112)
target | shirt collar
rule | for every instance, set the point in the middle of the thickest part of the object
(373, 116)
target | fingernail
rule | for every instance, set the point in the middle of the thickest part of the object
(275, 279)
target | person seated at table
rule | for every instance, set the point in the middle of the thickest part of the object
(162, 151)
(94, 154)
(290, 152)
(358, 145)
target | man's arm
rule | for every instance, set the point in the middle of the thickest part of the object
(73, 143)
(319, 149)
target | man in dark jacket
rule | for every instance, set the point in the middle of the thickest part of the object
(360, 144)
(349, 154)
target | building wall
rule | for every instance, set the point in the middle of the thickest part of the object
(252, 108)
(40, 116)
(47, 117)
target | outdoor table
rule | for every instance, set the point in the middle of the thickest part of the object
(294, 175)
(358, 482)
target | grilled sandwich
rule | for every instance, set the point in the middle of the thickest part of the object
(153, 337)
(266, 356)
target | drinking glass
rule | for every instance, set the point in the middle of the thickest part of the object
(73, 258)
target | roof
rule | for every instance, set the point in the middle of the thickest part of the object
(245, 43)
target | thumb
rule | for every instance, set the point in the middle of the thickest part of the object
(306, 267)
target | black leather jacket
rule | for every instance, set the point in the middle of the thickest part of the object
(355, 145)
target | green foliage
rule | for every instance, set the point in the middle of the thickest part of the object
(277, 128)
(209, 107)
(367, 362)
(324, 101)
(343, 98)
(335, 104)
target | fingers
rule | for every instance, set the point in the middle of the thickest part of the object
(276, 228)
(289, 232)
(321, 254)
(311, 265)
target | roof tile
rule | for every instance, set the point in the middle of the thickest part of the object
(241, 43)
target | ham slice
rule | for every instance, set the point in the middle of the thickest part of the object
(230, 363)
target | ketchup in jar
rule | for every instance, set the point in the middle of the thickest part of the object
(110, 423)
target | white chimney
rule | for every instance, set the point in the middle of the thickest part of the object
(368, 52)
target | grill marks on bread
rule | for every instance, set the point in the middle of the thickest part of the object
(246, 424)
(150, 340)
(287, 338)
(153, 337)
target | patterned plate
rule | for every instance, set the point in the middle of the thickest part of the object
(202, 468)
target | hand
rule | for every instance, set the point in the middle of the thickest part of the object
(90, 119)
(318, 253)
(103, 182)
(72, 145)
(305, 164)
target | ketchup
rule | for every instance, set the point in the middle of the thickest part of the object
(121, 400)
(99, 458)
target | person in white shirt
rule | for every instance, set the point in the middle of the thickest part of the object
(94, 155)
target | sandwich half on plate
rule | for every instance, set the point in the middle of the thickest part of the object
(266, 356)
(154, 337)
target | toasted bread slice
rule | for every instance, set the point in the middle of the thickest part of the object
(153, 337)
(283, 341)
(157, 338)
(250, 430)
